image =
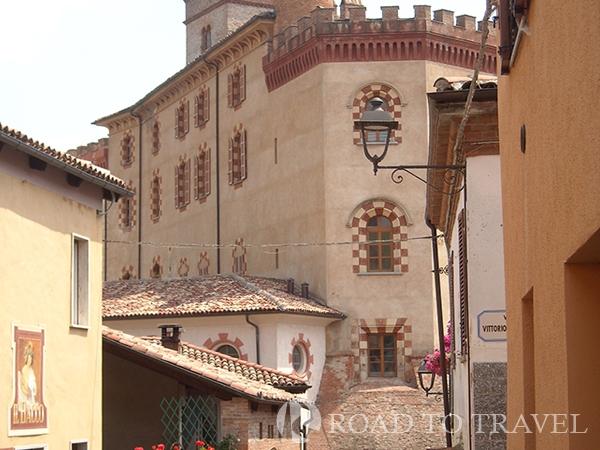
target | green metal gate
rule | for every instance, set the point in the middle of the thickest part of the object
(188, 419)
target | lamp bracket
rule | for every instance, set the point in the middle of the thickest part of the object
(452, 181)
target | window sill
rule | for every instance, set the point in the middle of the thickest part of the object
(379, 273)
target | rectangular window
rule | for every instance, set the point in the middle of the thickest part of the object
(182, 184)
(80, 278)
(201, 108)
(127, 212)
(79, 445)
(382, 355)
(237, 158)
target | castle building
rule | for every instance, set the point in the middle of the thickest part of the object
(246, 162)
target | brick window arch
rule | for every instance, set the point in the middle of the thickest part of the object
(373, 250)
(155, 136)
(237, 156)
(300, 356)
(182, 118)
(184, 268)
(392, 103)
(239, 257)
(127, 210)
(366, 331)
(156, 196)
(127, 149)
(156, 269)
(202, 173)
(223, 340)
(182, 182)
(201, 107)
(127, 273)
(203, 264)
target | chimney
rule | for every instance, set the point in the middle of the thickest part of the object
(304, 290)
(169, 335)
(290, 286)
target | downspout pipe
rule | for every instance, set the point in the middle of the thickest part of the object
(257, 333)
(217, 174)
(139, 194)
(440, 326)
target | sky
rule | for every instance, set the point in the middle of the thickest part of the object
(66, 63)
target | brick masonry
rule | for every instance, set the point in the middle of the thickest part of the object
(373, 414)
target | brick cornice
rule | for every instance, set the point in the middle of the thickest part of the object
(307, 50)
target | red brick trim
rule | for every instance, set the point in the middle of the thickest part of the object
(223, 339)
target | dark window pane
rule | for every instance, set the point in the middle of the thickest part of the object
(386, 236)
(373, 251)
(386, 264)
(386, 250)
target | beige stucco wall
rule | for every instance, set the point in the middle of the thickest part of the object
(36, 227)
(550, 211)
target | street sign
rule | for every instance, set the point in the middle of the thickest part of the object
(491, 325)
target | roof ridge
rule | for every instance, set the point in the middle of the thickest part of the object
(257, 290)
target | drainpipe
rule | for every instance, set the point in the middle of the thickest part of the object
(217, 175)
(257, 338)
(440, 324)
(139, 195)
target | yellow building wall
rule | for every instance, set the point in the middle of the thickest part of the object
(36, 228)
(550, 212)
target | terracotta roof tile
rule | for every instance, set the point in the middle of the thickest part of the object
(209, 295)
(64, 159)
(246, 378)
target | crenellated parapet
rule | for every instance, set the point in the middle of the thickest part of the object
(324, 37)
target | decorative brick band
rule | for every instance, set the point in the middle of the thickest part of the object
(400, 327)
(361, 216)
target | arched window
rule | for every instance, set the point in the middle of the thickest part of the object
(237, 158)
(155, 197)
(182, 183)
(202, 173)
(377, 136)
(201, 107)
(379, 230)
(299, 359)
(392, 102)
(127, 149)
(228, 350)
(380, 244)
(155, 136)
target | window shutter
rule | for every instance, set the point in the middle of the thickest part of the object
(242, 83)
(176, 187)
(177, 122)
(186, 116)
(207, 172)
(196, 178)
(463, 285)
(230, 90)
(196, 115)
(243, 161)
(186, 180)
(206, 105)
(230, 170)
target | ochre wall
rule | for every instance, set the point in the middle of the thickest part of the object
(550, 212)
(36, 227)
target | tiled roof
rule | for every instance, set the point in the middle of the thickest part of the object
(69, 163)
(208, 295)
(240, 377)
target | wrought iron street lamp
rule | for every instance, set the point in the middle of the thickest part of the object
(378, 120)
(427, 379)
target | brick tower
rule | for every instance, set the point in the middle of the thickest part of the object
(209, 21)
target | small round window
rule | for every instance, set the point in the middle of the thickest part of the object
(299, 359)
(228, 350)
